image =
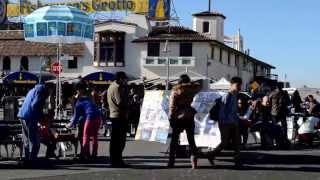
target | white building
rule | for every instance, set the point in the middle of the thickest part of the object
(134, 46)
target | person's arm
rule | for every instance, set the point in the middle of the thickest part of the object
(116, 97)
(37, 101)
(76, 116)
(172, 104)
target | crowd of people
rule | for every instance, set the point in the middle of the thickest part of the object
(237, 115)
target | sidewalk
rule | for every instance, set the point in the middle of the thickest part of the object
(149, 162)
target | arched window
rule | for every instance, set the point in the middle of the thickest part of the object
(24, 63)
(6, 64)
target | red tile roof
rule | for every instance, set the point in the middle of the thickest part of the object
(174, 33)
(12, 43)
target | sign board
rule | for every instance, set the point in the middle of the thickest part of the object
(207, 132)
(157, 9)
(56, 68)
(154, 124)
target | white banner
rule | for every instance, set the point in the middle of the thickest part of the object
(154, 124)
(207, 132)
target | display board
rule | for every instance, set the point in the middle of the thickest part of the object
(154, 123)
(207, 132)
(158, 9)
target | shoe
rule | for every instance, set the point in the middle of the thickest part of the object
(211, 160)
(238, 164)
(170, 165)
(194, 162)
(120, 165)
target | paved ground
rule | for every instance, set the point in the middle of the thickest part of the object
(149, 162)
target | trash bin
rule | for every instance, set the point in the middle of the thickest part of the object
(11, 108)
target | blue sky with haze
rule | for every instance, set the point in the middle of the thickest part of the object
(284, 33)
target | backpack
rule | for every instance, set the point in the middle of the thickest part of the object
(215, 110)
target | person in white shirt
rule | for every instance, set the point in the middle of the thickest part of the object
(307, 129)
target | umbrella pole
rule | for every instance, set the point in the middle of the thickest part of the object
(57, 90)
(59, 81)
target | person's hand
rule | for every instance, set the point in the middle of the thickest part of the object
(56, 135)
(69, 125)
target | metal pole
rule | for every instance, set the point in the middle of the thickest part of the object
(168, 74)
(57, 90)
(209, 6)
(59, 77)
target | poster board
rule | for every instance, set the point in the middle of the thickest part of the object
(207, 133)
(154, 124)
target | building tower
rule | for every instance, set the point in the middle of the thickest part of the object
(210, 23)
(238, 42)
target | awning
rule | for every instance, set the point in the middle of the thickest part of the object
(222, 84)
(21, 77)
(99, 78)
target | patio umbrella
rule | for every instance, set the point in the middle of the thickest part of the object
(58, 24)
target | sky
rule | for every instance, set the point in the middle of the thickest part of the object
(284, 33)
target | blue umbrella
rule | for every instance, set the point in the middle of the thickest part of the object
(58, 24)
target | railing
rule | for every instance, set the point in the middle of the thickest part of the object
(269, 76)
(174, 61)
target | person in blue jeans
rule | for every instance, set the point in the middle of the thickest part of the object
(30, 113)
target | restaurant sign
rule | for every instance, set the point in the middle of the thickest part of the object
(158, 9)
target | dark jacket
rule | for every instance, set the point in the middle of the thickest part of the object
(32, 107)
(279, 101)
(228, 111)
(182, 96)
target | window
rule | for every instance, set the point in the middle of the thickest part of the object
(174, 61)
(186, 49)
(221, 55)
(212, 52)
(52, 28)
(236, 61)
(206, 27)
(245, 64)
(229, 58)
(109, 49)
(154, 49)
(24, 63)
(29, 30)
(186, 61)
(162, 61)
(6, 64)
(150, 61)
(73, 64)
(42, 29)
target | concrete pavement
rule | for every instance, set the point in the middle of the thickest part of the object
(149, 162)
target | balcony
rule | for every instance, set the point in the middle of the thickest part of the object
(174, 61)
(267, 75)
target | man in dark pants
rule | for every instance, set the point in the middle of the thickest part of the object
(229, 121)
(279, 101)
(180, 105)
(118, 105)
(30, 114)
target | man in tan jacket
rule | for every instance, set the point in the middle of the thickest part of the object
(118, 105)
